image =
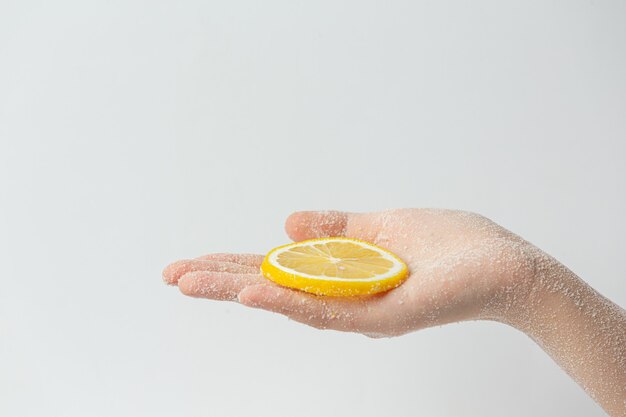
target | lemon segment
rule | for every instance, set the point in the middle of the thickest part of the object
(334, 266)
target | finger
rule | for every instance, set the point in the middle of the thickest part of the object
(248, 259)
(216, 285)
(174, 271)
(350, 315)
(304, 225)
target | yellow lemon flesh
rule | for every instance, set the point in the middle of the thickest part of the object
(334, 266)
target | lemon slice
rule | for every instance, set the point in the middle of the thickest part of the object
(335, 266)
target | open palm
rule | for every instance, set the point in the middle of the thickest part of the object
(462, 267)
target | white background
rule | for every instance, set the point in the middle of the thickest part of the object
(134, 133)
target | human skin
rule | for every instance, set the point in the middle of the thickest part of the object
(462, 266)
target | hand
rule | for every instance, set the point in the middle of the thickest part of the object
(462, 267)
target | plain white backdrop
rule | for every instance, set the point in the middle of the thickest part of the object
(134, 133)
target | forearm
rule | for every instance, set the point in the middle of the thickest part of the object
(581, 330)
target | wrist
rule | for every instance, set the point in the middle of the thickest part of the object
(553, 293)
(580, 329)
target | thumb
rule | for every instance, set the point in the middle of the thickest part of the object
(303, 225)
